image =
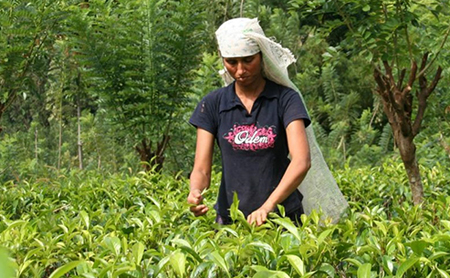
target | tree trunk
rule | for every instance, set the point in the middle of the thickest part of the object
(153, 159)
(2, 109)
(60, 137)
(80, 143)
(36, 144)
(398, 106)
(407, 150)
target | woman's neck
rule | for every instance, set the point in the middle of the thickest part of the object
(251, 91)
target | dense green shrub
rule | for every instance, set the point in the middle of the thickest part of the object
(87, 224)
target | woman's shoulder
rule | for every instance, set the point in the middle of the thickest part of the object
(282, 90)
(217, 94)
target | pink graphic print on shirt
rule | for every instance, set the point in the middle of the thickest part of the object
(250, 137)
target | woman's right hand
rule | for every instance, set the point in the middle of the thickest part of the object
(195, 198)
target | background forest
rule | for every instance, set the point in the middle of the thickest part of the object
(96, 148)
(110, 85)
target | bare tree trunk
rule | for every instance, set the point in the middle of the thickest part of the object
(60, 136)
(2, 110)
(80, 143)
(99, 154)
(36, 144)
(154, 159)
(407, 150)
(242, 8)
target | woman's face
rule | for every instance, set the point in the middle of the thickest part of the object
(245, 70)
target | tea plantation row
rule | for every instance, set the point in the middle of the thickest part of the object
(85, 224)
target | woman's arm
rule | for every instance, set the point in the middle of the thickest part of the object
(294, 175)
(201, 174)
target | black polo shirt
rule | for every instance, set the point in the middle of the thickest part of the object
(253, 146)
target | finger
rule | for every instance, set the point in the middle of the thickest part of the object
(203, 211)
(193, 201)
(258, 220)
(199, 210)
(194, 198)
(250, 219)
(261, 220)
(196, 193)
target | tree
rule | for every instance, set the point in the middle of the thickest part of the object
(28, 31)
(398, 39)
(138, 58)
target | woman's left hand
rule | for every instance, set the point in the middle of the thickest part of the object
(258, 217)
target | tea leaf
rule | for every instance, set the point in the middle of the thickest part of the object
(262, 272)
(297, 263)
(220, 262)
(23, 266)
(113, 244)
(324, 235)
(406, 265)
(262, 245)
(270, 274)
(353, 261)
(364, 271)
(388, 265)
(85, 217)
(418, 246)
(6, 267)
(446, 224)
(137, 253)
(328, 269)
(121, 270)
(288, 225)
(178, 262)
(60, 271)
(192, 253)
(443, 273)
(437, 255)
(181, 242)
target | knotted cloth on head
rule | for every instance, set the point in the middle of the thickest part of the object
(241, 37)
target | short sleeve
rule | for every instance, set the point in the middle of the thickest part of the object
(204, 115)
(293, 108)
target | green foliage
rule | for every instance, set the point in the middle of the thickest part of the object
(6, 267)
(337, 90)
(136, 70)
(91, 225)
(28, 31)
(144, 62)
(142, 66)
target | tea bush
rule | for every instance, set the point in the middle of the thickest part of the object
(87, 224)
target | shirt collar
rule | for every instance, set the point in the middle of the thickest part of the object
(231, 100)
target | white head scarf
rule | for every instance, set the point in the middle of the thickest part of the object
(241, 37)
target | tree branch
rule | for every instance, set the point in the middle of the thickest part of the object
(422, 95)
(392, 91)
(422, 72)
(412, 77)
(378, 76)
(400, 78)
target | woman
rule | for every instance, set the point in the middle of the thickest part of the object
(258, 120)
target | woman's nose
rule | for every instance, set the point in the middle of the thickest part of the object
(240, 68)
